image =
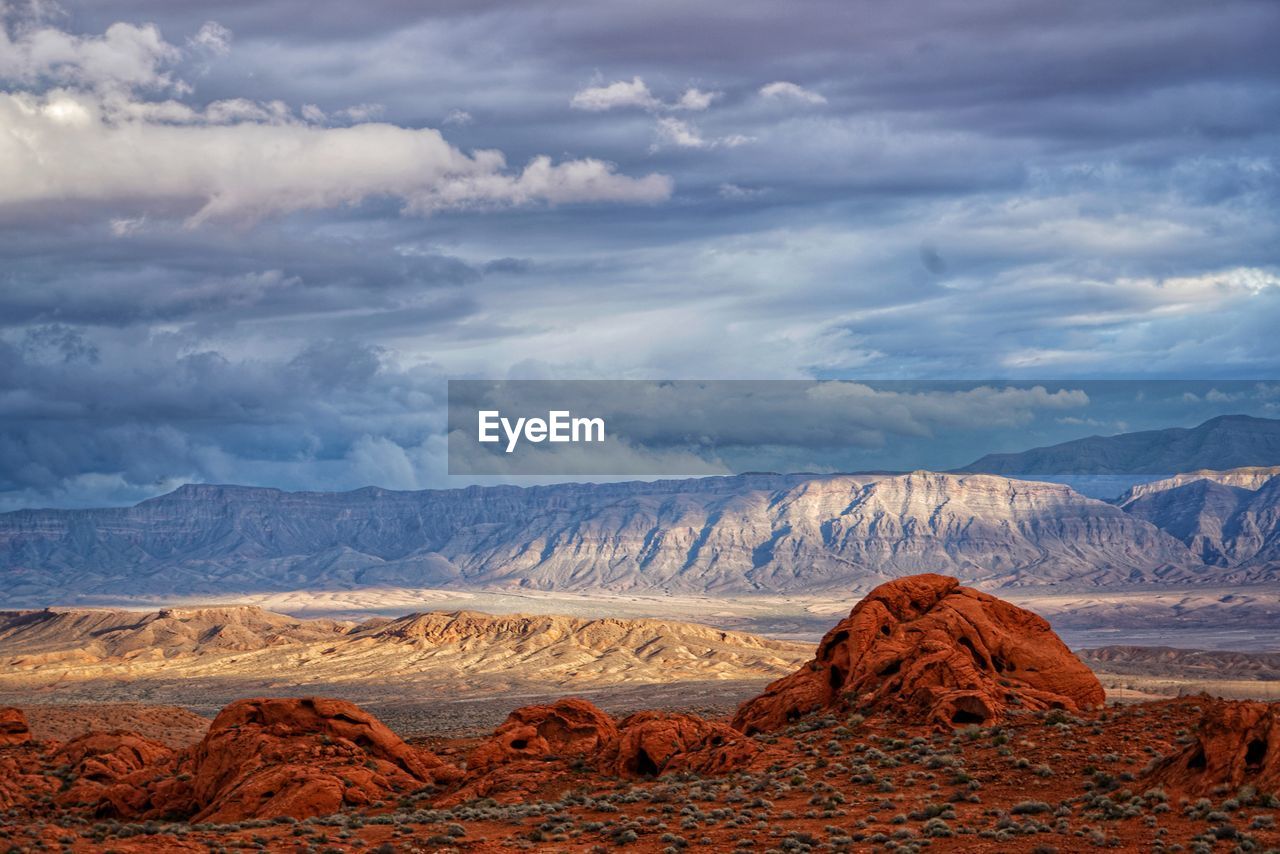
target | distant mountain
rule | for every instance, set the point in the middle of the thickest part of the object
(1226, 442)
(773, 534)
(1249, 479)
(1225, 518)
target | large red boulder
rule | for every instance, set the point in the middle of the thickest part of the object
(13, 727)
(566, 728)
(654, 743)
(1236, 744)
(927, 650)
(264, 758)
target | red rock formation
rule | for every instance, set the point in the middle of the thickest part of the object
(13, 727)
(928, 650)
(566, 728)
(654, 743)
(1237, 744)
(646, 744)
(24, 778)
(295, 757)
(110, 771)
(261, 758)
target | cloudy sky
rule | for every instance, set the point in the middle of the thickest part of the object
(249, 241)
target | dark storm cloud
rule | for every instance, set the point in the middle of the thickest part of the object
(88, 276)
(994, 188)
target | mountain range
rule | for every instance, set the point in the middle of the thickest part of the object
(1225, 442)
(722, 536)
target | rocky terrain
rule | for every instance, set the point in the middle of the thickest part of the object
(205, 657)
(933, 716)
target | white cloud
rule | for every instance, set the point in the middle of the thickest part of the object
(458, 117)
(783, 90)
(682, 134)
(635, 93)
(125, 56)
(94, 138)
(621, 93)
(212, 39)
(243, 160)
(695, 100)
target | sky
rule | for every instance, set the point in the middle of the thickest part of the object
(249, 242)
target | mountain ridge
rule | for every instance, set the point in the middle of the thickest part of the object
(1221, 443)
(717, 536)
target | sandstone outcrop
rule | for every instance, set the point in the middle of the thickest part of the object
(644, 744)
(1236, 744)
(110, 771)
(261, 758)
(927, 650)
(264, 758)
(654, 743)
(13, 727)
(566, 728)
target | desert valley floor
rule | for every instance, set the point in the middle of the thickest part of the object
(957, 721)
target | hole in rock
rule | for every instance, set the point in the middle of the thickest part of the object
(970, 710)
(885, 630)
(644, 765)
(1254, 755)
(890, 669)
(963, 716)
(717, 740)
(1196, 762)
(835, 678)
(519, 744)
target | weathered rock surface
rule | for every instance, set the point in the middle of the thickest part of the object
(261, 758)
(644, 744)
(300, 757)
(24, 777)
(13, 727)
(110, 771)
(925, 649)
(567, 728)
(654, 743)
(1236, 744)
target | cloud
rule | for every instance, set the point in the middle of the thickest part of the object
(620, 93)
(682, 134)
(458, 117)
(125, 56)
(945, 214)
(89, 137)
(733, 191)
(782, 90)
(212, 39)
(241, 160)
(635, 93)
(695, 99)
